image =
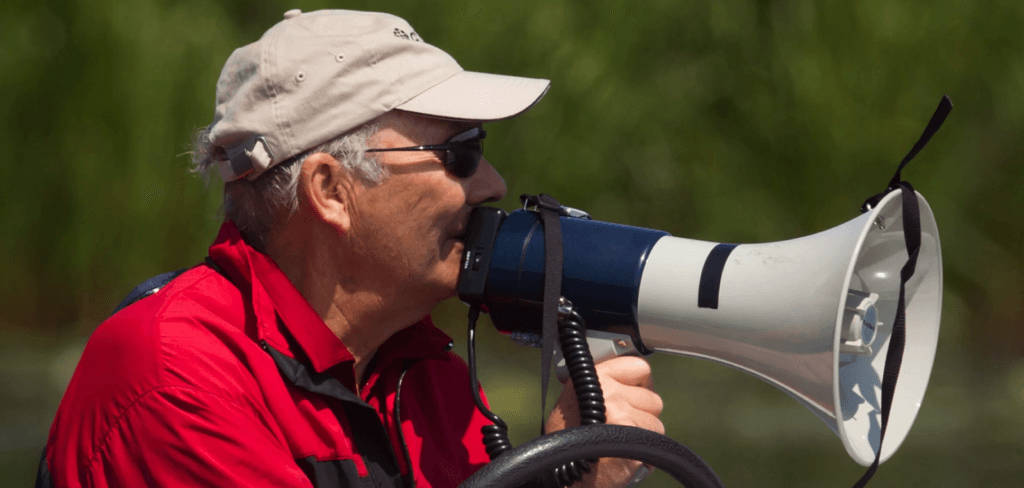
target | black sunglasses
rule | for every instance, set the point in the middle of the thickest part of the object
(464, 151)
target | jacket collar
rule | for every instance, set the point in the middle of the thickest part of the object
(273, 296)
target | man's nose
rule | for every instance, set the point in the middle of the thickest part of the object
(486, 185)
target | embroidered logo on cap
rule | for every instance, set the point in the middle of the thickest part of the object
(412, 36)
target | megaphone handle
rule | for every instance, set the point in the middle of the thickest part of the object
(603, 346)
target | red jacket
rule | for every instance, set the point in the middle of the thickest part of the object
(217, 382)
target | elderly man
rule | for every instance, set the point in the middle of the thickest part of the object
(301, 352)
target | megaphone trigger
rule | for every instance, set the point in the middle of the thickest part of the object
(603, 346)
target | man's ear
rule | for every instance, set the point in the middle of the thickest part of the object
(326, 189)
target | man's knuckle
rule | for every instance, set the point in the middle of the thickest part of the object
(656, 405)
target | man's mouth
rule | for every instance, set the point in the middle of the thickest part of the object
(460, 234)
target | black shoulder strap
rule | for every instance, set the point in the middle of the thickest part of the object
(43, 478)
(147, 288)
(368, 433)
(154, 284)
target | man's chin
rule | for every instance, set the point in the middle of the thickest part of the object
(452, 294)
(451, 267)
(445, 292)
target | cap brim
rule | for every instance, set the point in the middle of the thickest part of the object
(478, 96)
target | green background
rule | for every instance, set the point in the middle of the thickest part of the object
(732, 120)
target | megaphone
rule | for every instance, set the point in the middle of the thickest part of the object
(811, 316)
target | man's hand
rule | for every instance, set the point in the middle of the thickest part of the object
(629, 399)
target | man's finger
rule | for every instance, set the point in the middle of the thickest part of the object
(628, 370)
(644, 400)
(644, 421)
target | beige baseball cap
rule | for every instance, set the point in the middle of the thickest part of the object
(317, 75)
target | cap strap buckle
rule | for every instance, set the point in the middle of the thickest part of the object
(247, 160)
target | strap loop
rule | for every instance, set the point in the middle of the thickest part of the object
(912, 238)
(945, 106)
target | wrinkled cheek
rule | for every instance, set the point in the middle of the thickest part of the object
(449, 265)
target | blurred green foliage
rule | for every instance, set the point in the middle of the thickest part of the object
(733, 120)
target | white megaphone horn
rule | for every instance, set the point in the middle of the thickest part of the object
(812, 316)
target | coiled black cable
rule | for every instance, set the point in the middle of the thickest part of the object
(583, 373)
(582, 370)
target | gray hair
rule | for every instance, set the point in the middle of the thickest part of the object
(258, 207)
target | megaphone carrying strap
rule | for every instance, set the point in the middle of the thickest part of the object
(550, 213)
(912, 238)
(550, 210)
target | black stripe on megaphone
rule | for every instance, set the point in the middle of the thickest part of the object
(711, 275)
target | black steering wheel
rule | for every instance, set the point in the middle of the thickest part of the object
(522, 464)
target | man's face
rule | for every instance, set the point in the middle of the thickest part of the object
(408, 228)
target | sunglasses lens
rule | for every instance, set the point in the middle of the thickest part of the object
(464, 158)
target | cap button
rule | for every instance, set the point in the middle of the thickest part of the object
(292, 13)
